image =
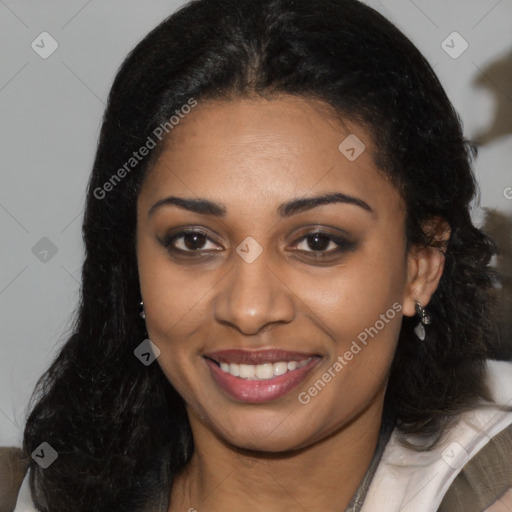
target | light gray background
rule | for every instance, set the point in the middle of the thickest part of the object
(50, 114)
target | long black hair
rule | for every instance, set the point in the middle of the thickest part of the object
(119, 427)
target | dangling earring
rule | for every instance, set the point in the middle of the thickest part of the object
(142, 314)
(425, 319)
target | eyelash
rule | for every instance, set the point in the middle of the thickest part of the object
(343, 244)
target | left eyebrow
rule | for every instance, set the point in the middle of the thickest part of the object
(306, 203)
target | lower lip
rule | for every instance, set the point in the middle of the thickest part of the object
(259, 391)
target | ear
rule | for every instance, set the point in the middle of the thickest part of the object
(425, 266)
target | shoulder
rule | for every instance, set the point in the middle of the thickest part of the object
(24, 502)
(485, 480)
(437, 479)
(13, 467)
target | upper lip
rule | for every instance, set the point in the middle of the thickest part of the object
(257, 356)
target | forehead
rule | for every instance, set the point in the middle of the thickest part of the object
(268, 151)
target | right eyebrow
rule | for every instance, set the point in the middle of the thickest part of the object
(201, 206)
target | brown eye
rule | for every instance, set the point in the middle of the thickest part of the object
(322, 244)
(194, 241)
(189, 241)
(318, 241)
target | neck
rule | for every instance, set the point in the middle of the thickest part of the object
(324, 476)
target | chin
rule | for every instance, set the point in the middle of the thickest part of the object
(264, 431)
(261, 442)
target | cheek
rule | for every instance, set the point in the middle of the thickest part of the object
(174, 295)
(360, 308)
(174, 301)
(353, 297)
(172, 322)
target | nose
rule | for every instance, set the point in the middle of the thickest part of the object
(252, 296)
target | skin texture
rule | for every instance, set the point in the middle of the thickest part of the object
(252, 155)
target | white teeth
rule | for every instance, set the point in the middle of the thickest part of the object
(280, 368)
(247, 371)
(263, 371)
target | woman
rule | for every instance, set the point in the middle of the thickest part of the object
(284, 301)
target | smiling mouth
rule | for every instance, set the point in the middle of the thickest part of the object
(258, 376)
(263, 364)
(265, 371)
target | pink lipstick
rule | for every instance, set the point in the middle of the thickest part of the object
(261, 375)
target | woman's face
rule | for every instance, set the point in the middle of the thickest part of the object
(237, 279)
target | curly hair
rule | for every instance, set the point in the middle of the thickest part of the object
(119, 427)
